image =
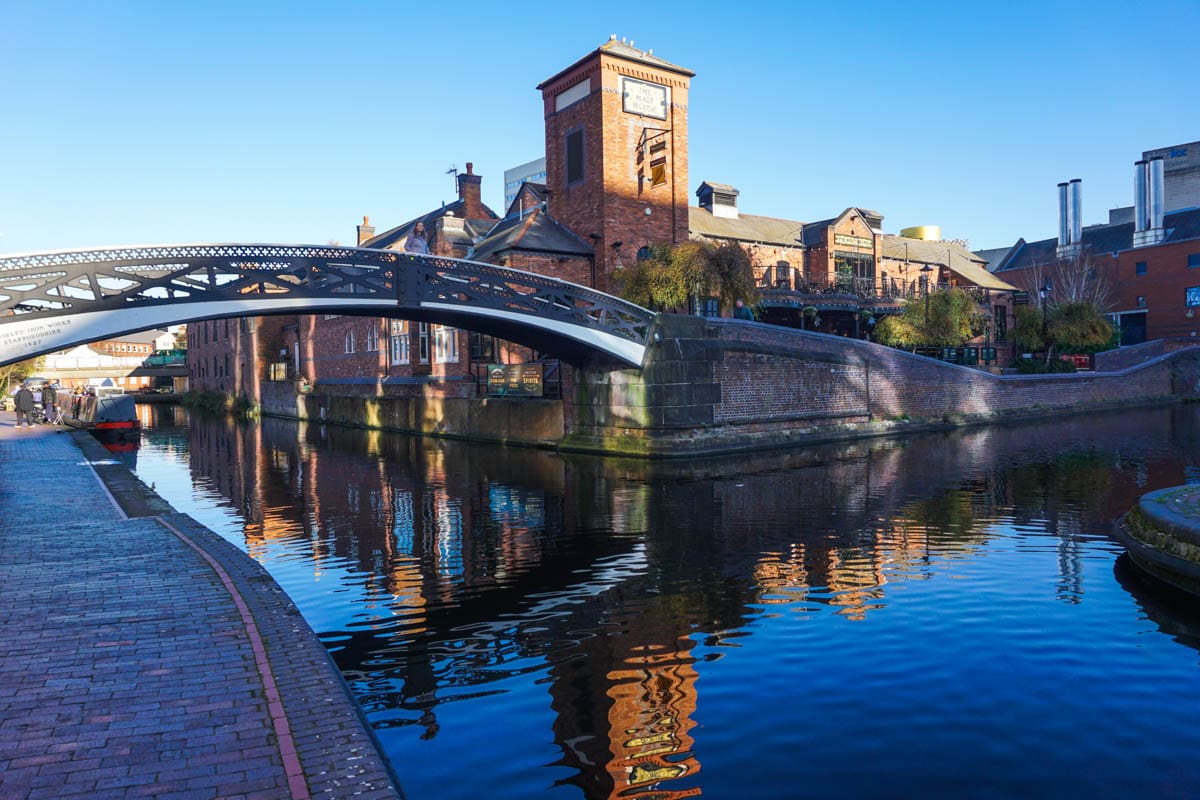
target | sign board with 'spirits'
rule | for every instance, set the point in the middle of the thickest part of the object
(514, 380)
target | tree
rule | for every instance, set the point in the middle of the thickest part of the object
(1078, 327)
(675, 275)
(1079, 278)
(1074, 327)
(945, 318)
(20, 371)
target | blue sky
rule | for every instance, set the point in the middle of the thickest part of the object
(160, 122)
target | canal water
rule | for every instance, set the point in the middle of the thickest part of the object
(936, 616)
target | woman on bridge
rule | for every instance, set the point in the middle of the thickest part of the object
(417, 242)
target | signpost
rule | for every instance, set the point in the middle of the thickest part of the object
(514, 380)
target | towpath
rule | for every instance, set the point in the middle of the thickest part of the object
(145, 656)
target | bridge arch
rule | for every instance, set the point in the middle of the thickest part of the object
(55, 300)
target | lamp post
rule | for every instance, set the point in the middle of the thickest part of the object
(1044, 294)
(925, 270)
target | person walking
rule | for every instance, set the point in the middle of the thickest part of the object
(418, 241)
(24, 406)
(49, 401)
(742, 311)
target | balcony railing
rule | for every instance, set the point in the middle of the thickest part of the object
(777, 281)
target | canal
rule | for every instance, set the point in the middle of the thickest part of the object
(936, 616)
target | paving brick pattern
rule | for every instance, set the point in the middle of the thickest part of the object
(128, 668)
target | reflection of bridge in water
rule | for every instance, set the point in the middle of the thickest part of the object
(55, 300)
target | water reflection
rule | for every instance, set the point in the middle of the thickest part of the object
(441, 574)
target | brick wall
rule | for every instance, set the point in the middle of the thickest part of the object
(717, 385)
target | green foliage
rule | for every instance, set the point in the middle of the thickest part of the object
(1036, 366)
(898, 331)
(1026, 332)
(1079, 327)
(1075, 327)
(674, 275)
(945, 319)
(15, 373)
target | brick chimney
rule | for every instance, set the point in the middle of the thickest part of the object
(469, 193)
(365, 231)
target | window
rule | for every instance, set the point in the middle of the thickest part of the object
(445, 344)
(349, 348)
(483, 347)
(423, 342)
(1140, 268)
(574, 147)
(226, 373)
(399, 341)
(372, 338)
(1193, 260)
(1000, 321)
(708, 307)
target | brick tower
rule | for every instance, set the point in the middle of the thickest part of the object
(616, 152)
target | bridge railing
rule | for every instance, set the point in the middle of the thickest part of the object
(64, 283)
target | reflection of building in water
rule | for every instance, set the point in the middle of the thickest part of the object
(653, 697)
(625, 705)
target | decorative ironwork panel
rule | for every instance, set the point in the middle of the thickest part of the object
(75, 282)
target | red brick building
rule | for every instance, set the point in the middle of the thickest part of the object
(1143, 267)
(617, 184)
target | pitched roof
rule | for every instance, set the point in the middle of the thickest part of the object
(814, 232)
(991, 257)
(536, 231)
(1180, 226)
(951, 255)
(615, 47)
(538, 190)
(400, 233)
(745, 228)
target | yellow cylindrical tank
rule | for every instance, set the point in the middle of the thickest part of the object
(929, 233)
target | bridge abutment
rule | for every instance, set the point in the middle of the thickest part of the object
(719, 385)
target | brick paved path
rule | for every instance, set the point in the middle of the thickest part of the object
(147, 657)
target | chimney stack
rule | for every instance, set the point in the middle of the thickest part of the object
(1070, 218)
(1076, 211)
(1064, 217)
(1148, 188)
(365, 231)
(470, 193)
(1141, 197)
(1157, 201)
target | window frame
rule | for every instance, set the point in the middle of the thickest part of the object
(576, 133)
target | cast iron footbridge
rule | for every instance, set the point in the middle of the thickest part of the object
(55, 300)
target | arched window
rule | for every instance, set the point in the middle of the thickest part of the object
(643, 253)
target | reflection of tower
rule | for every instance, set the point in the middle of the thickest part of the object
(624, 709)
(654, 697)
(616, 152)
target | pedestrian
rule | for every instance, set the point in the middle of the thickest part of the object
(24, 406)
(742, 311)
(76, 399)
(417, 241)
(49, 401)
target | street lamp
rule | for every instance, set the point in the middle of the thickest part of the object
(925, 270)
(1044, 294)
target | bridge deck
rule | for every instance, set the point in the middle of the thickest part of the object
(144, 655)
